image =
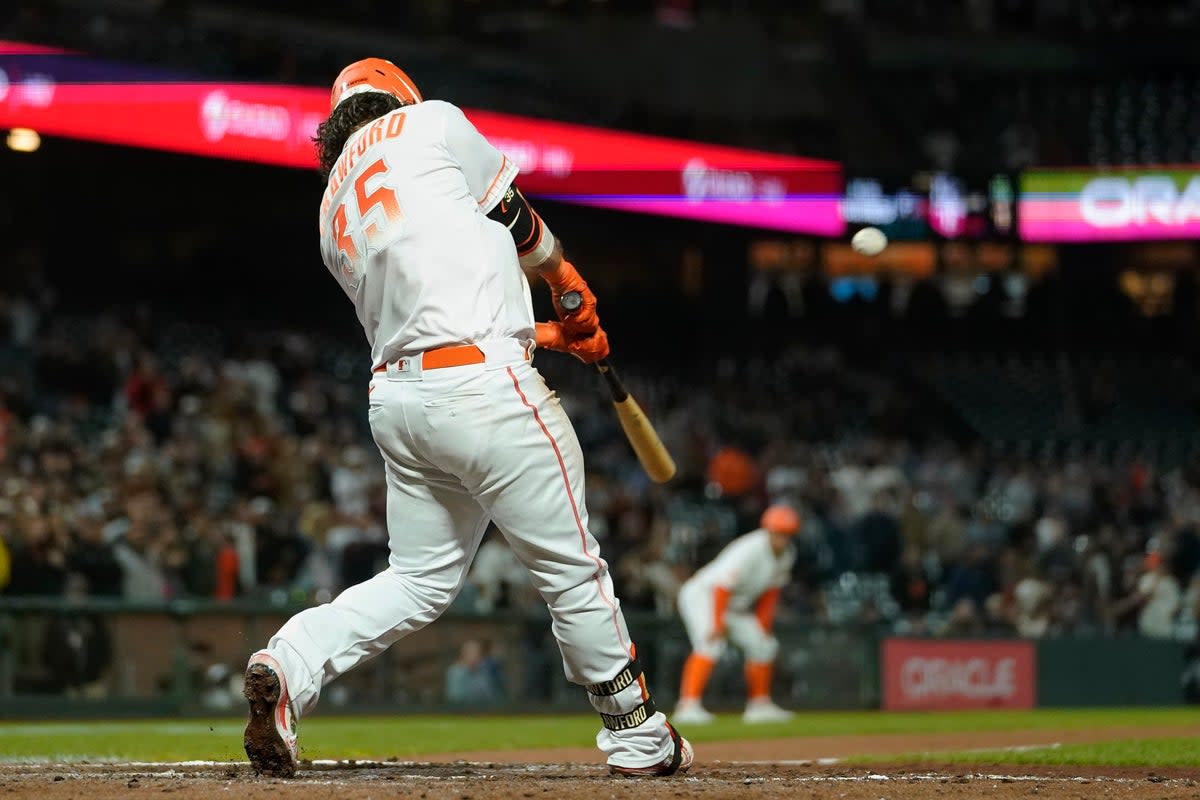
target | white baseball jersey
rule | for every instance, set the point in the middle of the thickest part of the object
(404, 230)
(747, 567)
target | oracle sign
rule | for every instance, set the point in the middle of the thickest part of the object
(928, 674)
(1121, 202)
(1073, 206)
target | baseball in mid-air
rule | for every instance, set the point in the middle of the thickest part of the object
(869, 242)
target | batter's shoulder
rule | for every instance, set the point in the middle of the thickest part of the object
(438, 108)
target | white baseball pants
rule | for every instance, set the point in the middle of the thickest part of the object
(463, 445)
(742, 628)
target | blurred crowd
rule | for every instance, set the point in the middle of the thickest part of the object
(148, 459)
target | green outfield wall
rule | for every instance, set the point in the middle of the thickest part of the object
(1122, 671)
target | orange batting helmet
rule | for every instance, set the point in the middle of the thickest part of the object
(781, 519)
(374, 75)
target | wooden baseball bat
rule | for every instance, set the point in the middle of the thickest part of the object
(641, 434)
(642, 437)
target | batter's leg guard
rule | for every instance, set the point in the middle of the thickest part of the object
(611, 698)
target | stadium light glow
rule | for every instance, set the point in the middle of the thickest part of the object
(23, 140)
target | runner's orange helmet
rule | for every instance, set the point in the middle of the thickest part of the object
(781, 519)
(374, 75)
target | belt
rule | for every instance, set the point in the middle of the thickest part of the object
(439, 357)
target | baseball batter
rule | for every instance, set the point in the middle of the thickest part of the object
(426, 233)
(733, 598)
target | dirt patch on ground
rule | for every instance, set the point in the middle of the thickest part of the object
(778, 768)
(495, 782)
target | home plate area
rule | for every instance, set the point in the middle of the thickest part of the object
(479, 780)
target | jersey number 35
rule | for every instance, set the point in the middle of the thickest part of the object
(369, 203)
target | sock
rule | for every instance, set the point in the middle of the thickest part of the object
(758, 679)
(695, 676)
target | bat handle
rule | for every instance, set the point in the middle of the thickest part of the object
(615, 386)
(570, 301)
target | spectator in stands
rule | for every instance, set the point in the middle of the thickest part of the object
(91, 557)
(1032, 599)
(946, 533)
(148, 396)
(245, 487)
(878, 534)
(495, 573)
(972, 579)
(350, 481)
(280, 551)
(1055, 554)
(648, 576)
(963, 622)
(472, 679)
(5, 557)
(226, 564)
(1068, 610)
(1155, 598)
(912, 584)
(39, 557)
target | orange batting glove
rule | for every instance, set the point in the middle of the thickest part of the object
(550, 336)
(564, 278)
(588, 349)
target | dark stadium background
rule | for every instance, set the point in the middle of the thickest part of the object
(160, 239)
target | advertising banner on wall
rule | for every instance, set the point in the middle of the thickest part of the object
(66, 94)
(935, 205)
(940, 674)
(1109, 206)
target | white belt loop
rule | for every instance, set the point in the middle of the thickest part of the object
(500, 353)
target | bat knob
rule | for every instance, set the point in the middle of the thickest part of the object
(571, 301)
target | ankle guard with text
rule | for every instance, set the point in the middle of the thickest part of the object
(627, 677)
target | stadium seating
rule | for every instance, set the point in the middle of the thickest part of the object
(1099, 403)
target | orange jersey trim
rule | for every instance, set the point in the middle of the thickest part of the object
(492, 186)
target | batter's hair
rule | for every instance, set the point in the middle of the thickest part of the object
(350, 114)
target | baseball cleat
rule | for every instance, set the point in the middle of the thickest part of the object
(763, 710)
(270, 739)
(690, 712)
(677, 763)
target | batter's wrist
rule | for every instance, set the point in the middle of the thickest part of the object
(551, 263)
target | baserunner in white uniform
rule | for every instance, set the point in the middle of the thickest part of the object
(733, 598)
(426, 233)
